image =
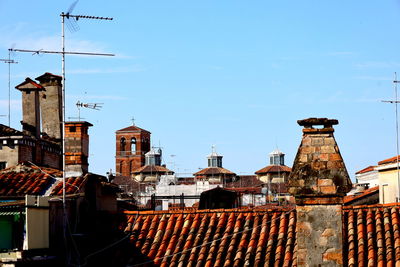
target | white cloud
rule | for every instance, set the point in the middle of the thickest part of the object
(377, 64)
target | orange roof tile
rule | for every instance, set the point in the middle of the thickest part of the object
(350, 198)
(152, 169)
(389, 160)
(365, 170)
(213, 171)
(132, 128)
(235, 237)
(372, 235)
(274, 169)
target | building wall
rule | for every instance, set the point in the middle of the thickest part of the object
(388, 193)
(371, 178)
(273, 177)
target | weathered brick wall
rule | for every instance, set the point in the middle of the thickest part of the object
(125, 161)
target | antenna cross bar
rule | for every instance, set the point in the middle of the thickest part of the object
(84, 17)
(60, 52)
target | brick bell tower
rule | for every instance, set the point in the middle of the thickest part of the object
(131, 145)
(319, 181)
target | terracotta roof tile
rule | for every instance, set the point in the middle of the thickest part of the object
(151, 169)
(350, 198)
(213, 171)
(132, 128)
(238, 237)
(373, 235)
(365, 170)
(274, 169)
(389, 160)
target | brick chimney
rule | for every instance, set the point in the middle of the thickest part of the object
(76, 148)
(319, 181)
(51, 104)
(30, 107)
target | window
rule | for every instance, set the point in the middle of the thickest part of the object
(72, 129)
(133, 145)
(122, 145)
(3, 165)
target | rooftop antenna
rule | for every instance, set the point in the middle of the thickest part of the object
(9, 61)
(79, 105)
(395, 102)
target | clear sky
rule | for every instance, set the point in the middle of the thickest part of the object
(237, 74)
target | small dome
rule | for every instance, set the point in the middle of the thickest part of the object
(277, 152)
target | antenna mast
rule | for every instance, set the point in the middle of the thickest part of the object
(395, 102)
(9, 61)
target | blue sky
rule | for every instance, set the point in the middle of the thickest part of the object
(237, 74)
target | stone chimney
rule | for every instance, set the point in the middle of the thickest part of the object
(76, 148)
(30, 107)
(319, 181)
(51, 105)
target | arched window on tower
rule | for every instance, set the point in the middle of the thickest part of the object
(133, 145)
(122, 145)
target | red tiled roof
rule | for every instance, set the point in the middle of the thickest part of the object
(371, 235)
(73, 185)
(248, 237)
(151, 169)
(213, 171)
(365, 170)
(274, 169)
(389, 160)
(21, 184)
(29, 84)
(245, 181)
(132, 128)
(365, 193)
(7, 131)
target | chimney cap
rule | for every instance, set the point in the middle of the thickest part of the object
(29, 85)
(308, 123)
(48, 76)
(84, 123)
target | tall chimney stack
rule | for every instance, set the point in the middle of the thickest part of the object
(76, 148)
(30, 107)
(319, 181)
(51, 105)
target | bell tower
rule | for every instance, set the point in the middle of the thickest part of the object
(131, 145)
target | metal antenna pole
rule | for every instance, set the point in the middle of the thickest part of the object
(397, 137)
(9, 61)
(395, 102)
(63, 104)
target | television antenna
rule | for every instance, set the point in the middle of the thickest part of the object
(9, 61)
(79, 105)
(395, 102)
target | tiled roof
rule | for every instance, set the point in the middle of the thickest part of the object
(73, 185)
(132, 128)
(151, 169)
(371, 235)
(389, 160)
(274, 169)
(20, 184)
(245, 181)
(30, 85)
(21, 180)
(7, 131)
(350, 198)
(253, 237)
(365, 170)
(213, 171)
